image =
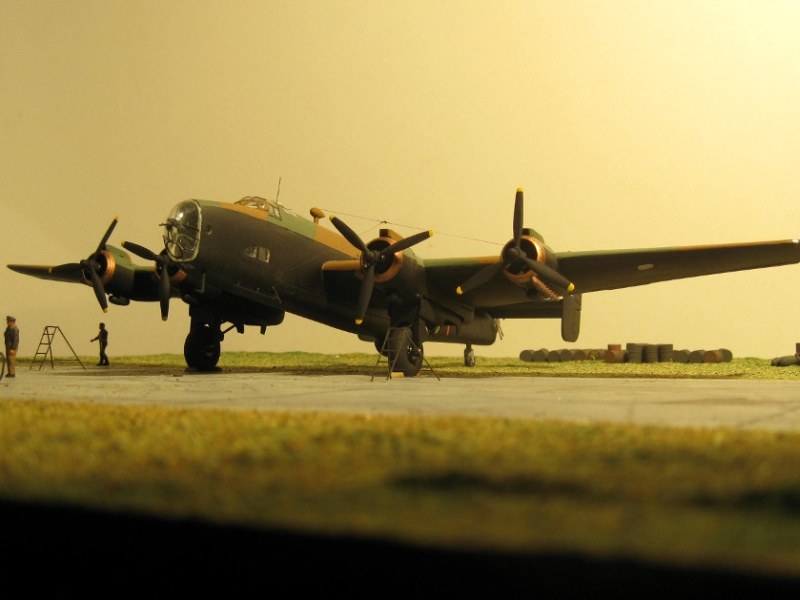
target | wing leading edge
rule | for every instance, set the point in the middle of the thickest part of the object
(607, 270)
(613, 269)
(68, 273)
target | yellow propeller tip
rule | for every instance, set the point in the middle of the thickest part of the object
(520, 190)
(459, 291)
(359, 321)
(105, 310)
(570, 287)
(163, 318)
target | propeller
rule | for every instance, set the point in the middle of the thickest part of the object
(372, 259)
(514, 257)
(162, 264)
(89, 268)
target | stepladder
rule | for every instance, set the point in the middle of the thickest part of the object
(44, 350)
(403, 355)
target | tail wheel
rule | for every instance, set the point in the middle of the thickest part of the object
(202, 348)
(469, 356)
(404, 355)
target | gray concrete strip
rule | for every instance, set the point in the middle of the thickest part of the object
(668, 402)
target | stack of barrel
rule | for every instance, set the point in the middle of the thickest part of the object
(653, 353)
(632, 353)
(786, 361)
(563, 355)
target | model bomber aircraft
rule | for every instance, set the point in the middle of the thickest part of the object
(248, 263)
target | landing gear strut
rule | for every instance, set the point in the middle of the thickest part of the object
(469, 356)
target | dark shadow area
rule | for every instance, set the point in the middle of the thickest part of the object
(73, 553)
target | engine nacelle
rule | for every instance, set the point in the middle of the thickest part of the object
(124, 281)
(516, 271)
(399, 272)
(115, 270)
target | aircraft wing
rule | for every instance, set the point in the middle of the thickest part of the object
(600, 270)
(108, 271)
(70, 273)
(613, 269)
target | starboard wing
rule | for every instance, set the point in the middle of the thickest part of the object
(603, 270)
(613, 269)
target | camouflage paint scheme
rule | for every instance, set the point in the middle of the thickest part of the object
(247, 263)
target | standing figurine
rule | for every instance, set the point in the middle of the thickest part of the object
(12, 343)
(102, 336)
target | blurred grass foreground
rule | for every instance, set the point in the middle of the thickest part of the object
(680, 496)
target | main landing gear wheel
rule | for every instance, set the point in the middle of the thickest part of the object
(202, 348)
(404, 355)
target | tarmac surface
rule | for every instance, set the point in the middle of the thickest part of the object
(737, 404)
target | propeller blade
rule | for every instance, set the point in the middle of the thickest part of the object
(164, 292)
(162, 263)
(518, 217)
(481, 277)
(406, 243)
(514, 257)
(365, 294)
(350, 235)
(102, 245)
(550, 275)
(370, 259)
(97, 285)
(140, 251)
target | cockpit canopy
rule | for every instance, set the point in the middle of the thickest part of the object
(182, 231)
(273, 208)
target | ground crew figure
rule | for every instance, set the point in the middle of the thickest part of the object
(102, 336)
(12, 343)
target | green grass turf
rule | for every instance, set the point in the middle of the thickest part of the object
(681, 496)
(309, 363)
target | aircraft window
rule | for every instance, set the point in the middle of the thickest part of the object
(253, 202)
(182, 231)
(260, 203)
(259, 253)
